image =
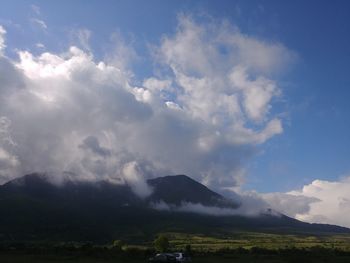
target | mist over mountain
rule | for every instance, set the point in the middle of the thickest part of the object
(179, 189)
(172, 190)
(35, 209)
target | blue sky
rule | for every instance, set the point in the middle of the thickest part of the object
(314, 144)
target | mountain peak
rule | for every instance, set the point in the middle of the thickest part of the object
(29, 179)
(174, 190)
(32, 206)
(179, 189)
(179, 178)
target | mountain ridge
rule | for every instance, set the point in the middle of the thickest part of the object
(35, 209)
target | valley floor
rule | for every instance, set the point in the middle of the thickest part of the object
(13, 258)
(241, 247)
(249, 240)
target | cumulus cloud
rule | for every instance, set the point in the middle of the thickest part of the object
(318, 202)
(202, 115)
(289, 204)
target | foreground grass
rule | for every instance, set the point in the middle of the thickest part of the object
(241, 247)
(13, 258)
(259, 240)
(22, 258)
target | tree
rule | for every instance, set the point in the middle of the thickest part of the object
(161, 243)
(118, 244)
(188, 250)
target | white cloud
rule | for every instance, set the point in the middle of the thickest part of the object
(319, 202)
(155, 84)
(82, 38)
(2, 40)
(39, 22)
(7, 160)
(71, 113)
(122, 53)
(213, 210)
(222, 79)
(257, 94)
(36, 9)
(133, 176)
(40, 45)
(289, 204)
(196, 208)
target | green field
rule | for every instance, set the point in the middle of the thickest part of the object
(13, 258)
(249, 240)
(238, 247)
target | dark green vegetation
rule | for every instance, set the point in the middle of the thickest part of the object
(243, 247)
(248, 258)
(251, 240)
(32, 209)
(161, 243)
(73, 222)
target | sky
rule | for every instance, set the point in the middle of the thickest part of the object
(244, 96)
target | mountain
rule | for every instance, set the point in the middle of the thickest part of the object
(33, 209)
(37, 187)
(178, 189)
(172, 190)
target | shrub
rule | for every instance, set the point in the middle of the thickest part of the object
(161, 243)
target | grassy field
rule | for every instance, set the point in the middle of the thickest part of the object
(12, 258)
(20, 258)
(239, 247)
(260, 240)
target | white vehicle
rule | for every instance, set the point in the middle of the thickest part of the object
(181, 257)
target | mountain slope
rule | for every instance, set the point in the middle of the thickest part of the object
(179, 189)
(33, 209)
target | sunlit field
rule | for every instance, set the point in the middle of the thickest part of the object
(259, 240)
